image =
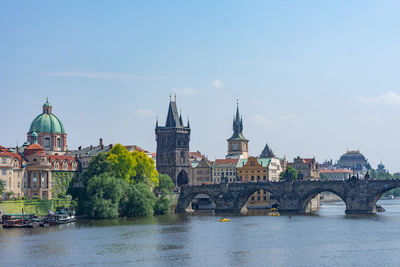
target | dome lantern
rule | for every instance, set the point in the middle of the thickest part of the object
(47, 107)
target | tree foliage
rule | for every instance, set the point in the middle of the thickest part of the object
(104, 193)
(138, 201)
(289, 174)
(165, 185)
(122, 163)
(121, 183)
(145, 171)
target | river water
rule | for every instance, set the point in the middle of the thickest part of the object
(326, 238)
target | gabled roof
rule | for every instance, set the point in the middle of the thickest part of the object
(221, 163)
(34, 149)
(262, 161)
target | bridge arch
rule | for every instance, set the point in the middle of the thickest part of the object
(244, 196)
(308, 196)
(380, 193)
(185, 200)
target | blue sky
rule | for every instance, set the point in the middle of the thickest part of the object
(313, 78)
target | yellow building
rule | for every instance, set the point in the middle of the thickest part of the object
(259, 169)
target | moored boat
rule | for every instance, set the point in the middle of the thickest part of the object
(61, 216)
(19, 221)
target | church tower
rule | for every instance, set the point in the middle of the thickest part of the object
(173, 146)
(237, 144)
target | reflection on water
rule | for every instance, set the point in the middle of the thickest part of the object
(326, 237)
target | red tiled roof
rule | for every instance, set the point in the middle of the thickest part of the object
(226, 161)
(61, 158)
(34, 149)
(308, 161)
(11, 154)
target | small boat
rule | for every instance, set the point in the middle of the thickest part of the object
(273, 209)
(274, 214)
(19, 221)
(61, 216)
(224, 220)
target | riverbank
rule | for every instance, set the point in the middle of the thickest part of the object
(39, 207)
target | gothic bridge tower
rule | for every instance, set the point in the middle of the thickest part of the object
(173, 146)
(237, 144)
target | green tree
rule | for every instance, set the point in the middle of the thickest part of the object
(162, 205)
(165, 185)
(145, 170)
(122, 163)
(138, 201)
(104, 193)
(289, 174)
(97, 165)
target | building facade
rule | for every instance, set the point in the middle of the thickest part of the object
(173, 146)
(224, 169)
(335, 174)
(200, 172)
(308, 168)
(259, 169)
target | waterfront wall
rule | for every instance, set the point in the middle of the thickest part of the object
(38, 206)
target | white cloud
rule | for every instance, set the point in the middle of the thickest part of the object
(99, 75)
(145, 112)
(185, 91)
(217, 84)
(262, 120)
(389, 98)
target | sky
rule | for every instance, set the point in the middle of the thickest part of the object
(313, 78)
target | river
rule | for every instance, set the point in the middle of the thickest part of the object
(325, 238)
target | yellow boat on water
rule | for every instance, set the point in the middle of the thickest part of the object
(273, 209)
(224, 220)
(275, 214)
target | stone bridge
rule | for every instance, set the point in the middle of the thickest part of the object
(360, 196)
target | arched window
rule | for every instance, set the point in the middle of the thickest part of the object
(74, 165)
(56, 166)
(15, 163)
(65, 165)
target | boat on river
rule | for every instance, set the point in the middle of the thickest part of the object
(61, 216)
(224, 220)
(20, 221)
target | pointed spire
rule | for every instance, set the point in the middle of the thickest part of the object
(170, 95)
(188, 124)
(180, 118)
(156, 121)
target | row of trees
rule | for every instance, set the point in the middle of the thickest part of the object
(122, 183)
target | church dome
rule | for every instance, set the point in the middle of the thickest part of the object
(352, 155)
(46, 122)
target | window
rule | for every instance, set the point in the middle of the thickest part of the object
(47, 142)
(258, 178)
(265, 198)
(56, 166)
(258, 198)
(15, 163)
(58, 142)
(264, 177)
(65, 165)
(252, 178)
(74, 165)
(252, 198)
(4, 182)
(19, 184)
(4, 160)
(4, 172)
(42, 181)
(34, 180)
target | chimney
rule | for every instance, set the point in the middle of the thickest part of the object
(101, 144)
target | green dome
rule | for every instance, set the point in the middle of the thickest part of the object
(46, 123)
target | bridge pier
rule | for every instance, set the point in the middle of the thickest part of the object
(360, 205)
